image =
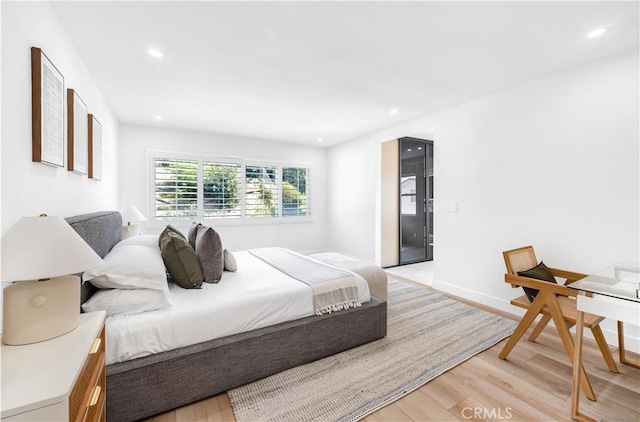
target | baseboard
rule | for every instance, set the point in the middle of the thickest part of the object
(477, 297)
(632, 343)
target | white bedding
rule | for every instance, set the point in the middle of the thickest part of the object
(255, 296)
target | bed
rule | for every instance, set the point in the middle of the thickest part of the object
(141, 387)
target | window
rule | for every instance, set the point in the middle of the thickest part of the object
(176, 189)
(408, 194)
(221, 190)
(227, 189)
(261, 191)
(295, 191)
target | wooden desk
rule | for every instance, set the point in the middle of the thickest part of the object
(615, 297)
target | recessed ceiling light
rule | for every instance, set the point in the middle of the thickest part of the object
(597, 32)
(394, 111)
(419, 148)
(320, 139)
(155, 53)
(408, 149)
(158, 117)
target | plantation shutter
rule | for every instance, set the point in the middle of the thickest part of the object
(176, 188)
(296, 191)
(222, 190)
(261, 191)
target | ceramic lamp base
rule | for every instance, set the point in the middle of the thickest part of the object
(35, 311)
(130, 230)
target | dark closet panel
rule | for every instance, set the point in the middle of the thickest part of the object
(416, 200)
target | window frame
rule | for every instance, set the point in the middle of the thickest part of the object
(154, 222)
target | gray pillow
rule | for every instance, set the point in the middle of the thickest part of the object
(209, 252)
(181, 261)
(230, 263)
(193, 232)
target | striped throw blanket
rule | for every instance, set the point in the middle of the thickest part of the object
(333, 289)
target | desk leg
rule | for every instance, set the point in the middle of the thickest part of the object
(621, 351)
(577, 364)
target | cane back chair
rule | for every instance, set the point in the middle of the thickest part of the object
(554, 302)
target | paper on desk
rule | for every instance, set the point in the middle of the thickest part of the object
(626, 286)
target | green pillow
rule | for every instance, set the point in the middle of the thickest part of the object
(539, 272)
(168, 229)
(181, 260)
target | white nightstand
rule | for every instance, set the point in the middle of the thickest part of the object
(60, 379)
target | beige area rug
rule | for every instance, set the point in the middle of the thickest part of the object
(427, 334)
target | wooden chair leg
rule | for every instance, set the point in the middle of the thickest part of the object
(536, 331)
(523, 325)
(604, 349)
(621, 349)
(567, 341)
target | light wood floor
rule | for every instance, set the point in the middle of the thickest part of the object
(533, 384)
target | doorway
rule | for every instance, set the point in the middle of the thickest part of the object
(416, 200)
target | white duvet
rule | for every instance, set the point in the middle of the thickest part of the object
(255, 296)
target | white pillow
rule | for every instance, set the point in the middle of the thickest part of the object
(117, 301)
(150, 240)
(130, 267)
(230, 263)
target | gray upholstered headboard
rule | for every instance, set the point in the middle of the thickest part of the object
(101, 230)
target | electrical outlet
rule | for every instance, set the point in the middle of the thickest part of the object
(453, 206)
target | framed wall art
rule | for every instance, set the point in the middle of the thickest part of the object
(47, 110)
(95, 148)
(77, 133)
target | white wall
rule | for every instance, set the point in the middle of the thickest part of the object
(354, 173)
(553, 163)
(32, 188)
(136, 141)
(29, 188)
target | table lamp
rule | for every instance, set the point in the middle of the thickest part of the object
(39, 253)
(131, 214)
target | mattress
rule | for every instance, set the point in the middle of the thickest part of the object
(255, 296)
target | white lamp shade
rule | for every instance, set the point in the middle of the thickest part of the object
(131, 213)
(44, 247)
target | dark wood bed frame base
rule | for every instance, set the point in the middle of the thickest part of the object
(154, 384)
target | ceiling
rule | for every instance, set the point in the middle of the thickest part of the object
(299, 71)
